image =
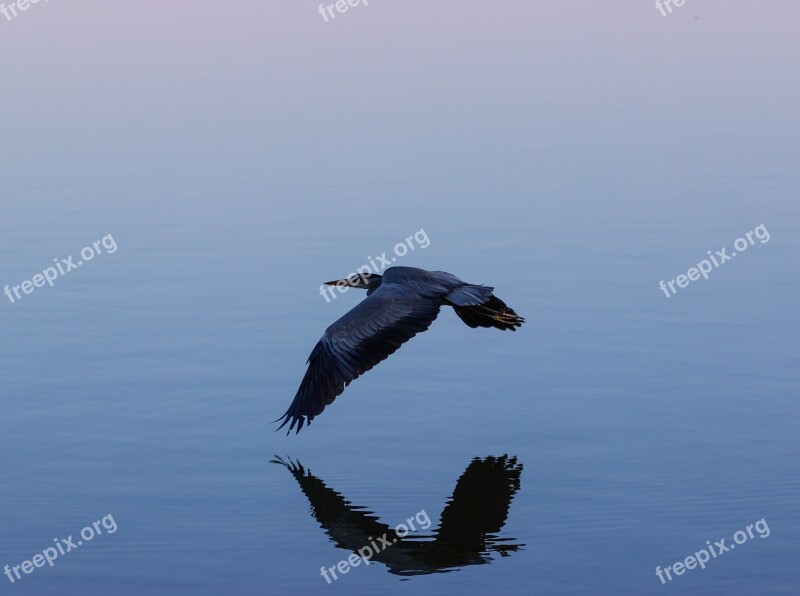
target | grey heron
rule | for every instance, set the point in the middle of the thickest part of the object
(400, 303)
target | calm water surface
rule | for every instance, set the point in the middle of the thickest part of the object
(570, 158)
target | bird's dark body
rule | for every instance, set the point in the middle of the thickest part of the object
(399, 304)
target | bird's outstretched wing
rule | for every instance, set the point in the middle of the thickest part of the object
(363, 337)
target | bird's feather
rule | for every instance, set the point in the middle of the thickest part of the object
(469, 295)
(363, 337)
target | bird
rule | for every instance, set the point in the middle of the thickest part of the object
(400, 303)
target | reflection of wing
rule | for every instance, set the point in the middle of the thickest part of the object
(480, 501)
(477, 510)
(350, 527)
(362, 338)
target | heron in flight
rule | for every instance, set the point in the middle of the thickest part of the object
(402, 302)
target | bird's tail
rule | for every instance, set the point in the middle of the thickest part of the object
(492, 313)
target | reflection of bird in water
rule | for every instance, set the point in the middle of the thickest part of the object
(399, 304)
(468, 529)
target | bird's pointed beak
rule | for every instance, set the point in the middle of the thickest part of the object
(338, 282)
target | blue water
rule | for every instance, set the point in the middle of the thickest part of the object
(617, 431)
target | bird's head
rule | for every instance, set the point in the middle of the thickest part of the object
(362, 281)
